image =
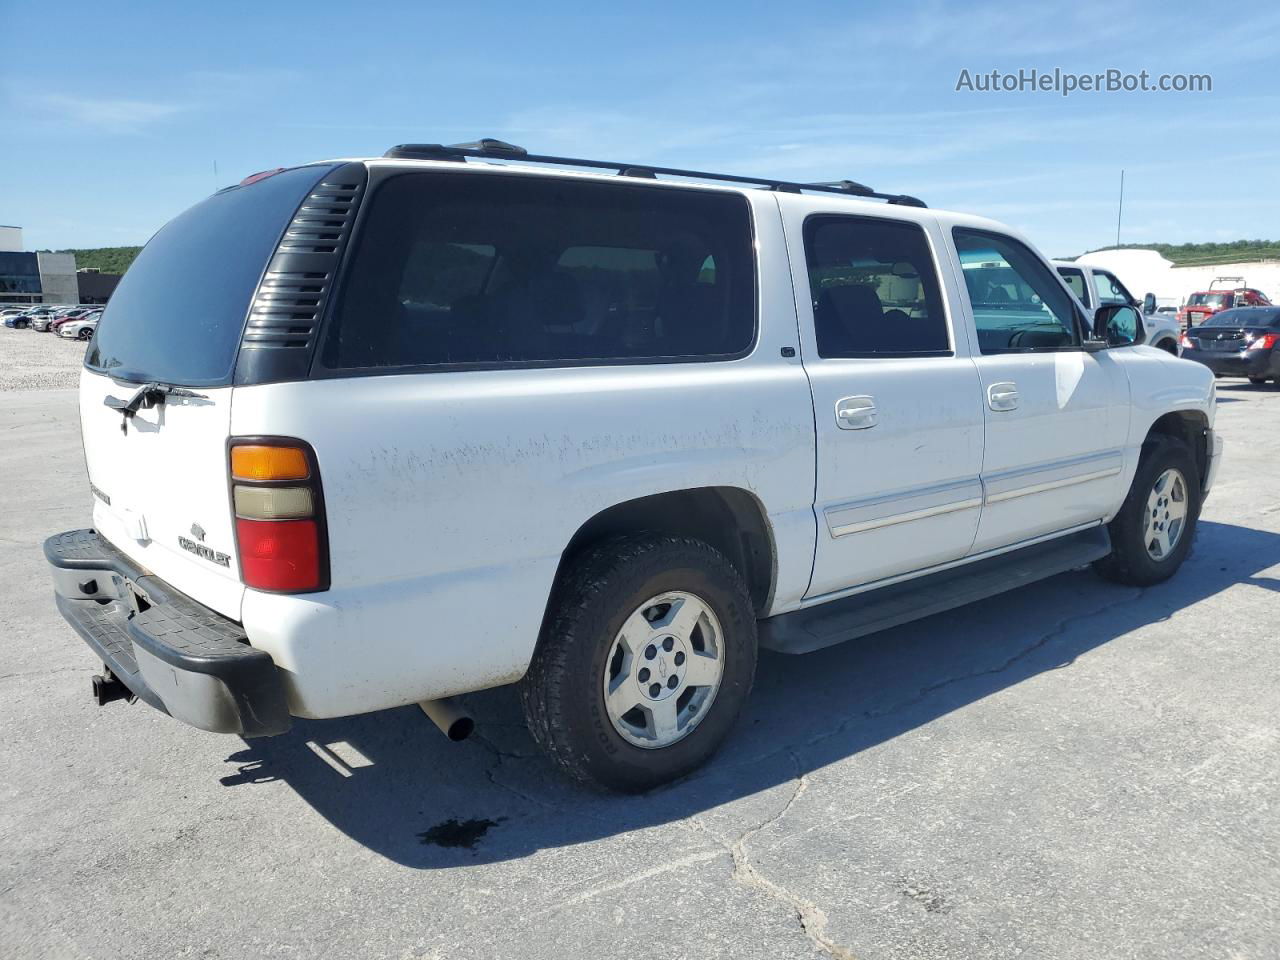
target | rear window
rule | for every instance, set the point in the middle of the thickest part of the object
(178, 313)
(492, 270)
(1249, 317)
(1211, 300)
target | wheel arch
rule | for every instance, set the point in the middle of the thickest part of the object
(730, 519)
(1189, 426)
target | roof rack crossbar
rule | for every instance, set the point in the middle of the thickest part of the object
(489, 149)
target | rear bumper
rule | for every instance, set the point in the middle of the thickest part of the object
(177, 655)
(1256, 363)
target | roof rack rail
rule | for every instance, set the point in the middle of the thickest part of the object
(490, 149)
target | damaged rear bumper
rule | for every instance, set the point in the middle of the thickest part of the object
(177, 655)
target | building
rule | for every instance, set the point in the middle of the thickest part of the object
(34, 277)
(95, 286)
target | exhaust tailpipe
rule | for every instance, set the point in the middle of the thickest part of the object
(108, 689)
(454, 722)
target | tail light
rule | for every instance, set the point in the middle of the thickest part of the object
(1264, 342)
(279, 511)
(1186, 343)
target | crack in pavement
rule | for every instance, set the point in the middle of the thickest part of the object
(811, 917)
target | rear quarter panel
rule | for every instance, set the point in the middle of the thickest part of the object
(451, 496)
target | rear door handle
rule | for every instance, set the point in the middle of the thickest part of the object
(1003, 396)
(856, 413)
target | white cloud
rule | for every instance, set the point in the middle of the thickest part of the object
(111, 115)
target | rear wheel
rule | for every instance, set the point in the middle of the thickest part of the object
(1152, 533)
(1169, 346)
(1257, 381)
(647, 656)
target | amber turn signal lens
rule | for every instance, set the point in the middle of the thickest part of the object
(262, 462)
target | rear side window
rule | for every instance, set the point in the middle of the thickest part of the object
(874, 288)
(1018, 304)
(1075, 280)
(180, 309)
(494, 270)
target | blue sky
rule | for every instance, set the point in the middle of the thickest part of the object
(113, 121)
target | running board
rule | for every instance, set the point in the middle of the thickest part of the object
(838, 620)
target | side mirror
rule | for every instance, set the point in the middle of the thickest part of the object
(1118, 325)
(1149, 303)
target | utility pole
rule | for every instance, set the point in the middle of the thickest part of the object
(1120, 212)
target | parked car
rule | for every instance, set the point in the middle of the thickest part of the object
(1095, 287)
(1237, 343)
(79, 328)
(56, 320)
(1224, 293)
(21, 321)
(515, 422)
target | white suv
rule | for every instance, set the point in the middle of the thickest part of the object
(460, 417)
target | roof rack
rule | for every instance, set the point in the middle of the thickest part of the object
(490, 149)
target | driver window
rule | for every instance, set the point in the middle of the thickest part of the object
(1018, 304)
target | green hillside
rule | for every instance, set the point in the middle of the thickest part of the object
(1204, 254)
(106, 259)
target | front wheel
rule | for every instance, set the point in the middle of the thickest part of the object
(1152, 533)
(1257, 381)
(647, 656)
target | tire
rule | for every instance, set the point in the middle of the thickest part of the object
(583, 648)
(1169, 346)
(85, 335)
(1257, 381)
(1132, 561)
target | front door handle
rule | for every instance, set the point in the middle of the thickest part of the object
(856, 413)
(1003, 396)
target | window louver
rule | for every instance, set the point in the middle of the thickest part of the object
(291, 297)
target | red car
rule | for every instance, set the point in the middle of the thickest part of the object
(1205, 303)
(66, 316)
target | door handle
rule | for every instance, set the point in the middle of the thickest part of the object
(856, 413)
(1002, 396)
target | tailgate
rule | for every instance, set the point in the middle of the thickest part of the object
(160, 487)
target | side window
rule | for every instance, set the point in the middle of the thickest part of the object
(1018, 304)
(1075, 280)
(874, 288)
(1109, 289)
(452, 269)
(437, 274)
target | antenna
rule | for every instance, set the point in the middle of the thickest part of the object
(1120, 211)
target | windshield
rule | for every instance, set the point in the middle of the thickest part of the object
(1211, 300)
(178, 313)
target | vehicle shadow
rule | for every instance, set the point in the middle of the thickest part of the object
(391, 782)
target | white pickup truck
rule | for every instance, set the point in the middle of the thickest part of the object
(1095, 287)
(462, 416)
